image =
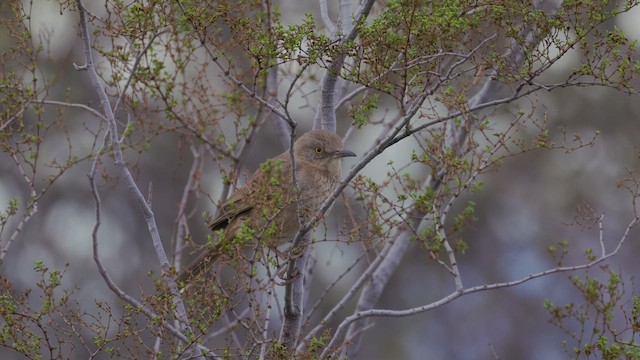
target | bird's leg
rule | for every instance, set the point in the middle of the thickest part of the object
(280, 255)
(282, 273)
(292, 254)
(296, 252)
(275, 260)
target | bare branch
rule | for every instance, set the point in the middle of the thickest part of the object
(353, 290)
(103, 271)
(265, 328)
(134, 68)
(327, 289)
(293, 298)
(345, 21)
(282, 128)
(324, 14)
(73, 105)
(327, 100)
(294, 292)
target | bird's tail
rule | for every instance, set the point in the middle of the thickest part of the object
(198, 266)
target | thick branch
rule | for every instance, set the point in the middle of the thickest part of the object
(282, 127)
(293, 312)
(327, 100)
(293, 300)
(324, 15)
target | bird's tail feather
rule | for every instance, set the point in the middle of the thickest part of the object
(198, 266)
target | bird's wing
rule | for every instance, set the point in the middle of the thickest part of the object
(239, 203)
(243, 199)
(235, 205)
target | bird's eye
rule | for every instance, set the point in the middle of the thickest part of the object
(318, 150)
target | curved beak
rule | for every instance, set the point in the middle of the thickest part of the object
(344, 153)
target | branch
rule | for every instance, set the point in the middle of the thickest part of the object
(328, 288)
(324, 15)
(350, 294)
(265, 328)
(180, 310)
(271, 85)
(30, 209)
(134, 68)
(293, 298)
(327, 100)
(345, 21)
(271, 89)
(73, 105)
(293, 292)
(227, 328)
(461, 292)
(377, 280)
(181, 219)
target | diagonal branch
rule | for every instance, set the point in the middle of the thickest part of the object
(30, 210)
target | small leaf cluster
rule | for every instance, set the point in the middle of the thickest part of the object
(605, 325)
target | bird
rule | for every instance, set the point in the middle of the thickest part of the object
(266, 210)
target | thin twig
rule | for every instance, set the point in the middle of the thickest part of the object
(31, 209)
(327, 289)
(353, 290)
(216, 60)
(134, 68)
(181, 218)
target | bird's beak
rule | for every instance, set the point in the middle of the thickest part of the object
(344, 153)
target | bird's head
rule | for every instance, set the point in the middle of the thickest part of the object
(321, 147)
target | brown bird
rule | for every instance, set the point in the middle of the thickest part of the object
(263, 212)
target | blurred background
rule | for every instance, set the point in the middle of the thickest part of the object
(526, 206)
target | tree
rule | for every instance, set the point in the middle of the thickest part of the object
(440, 100)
